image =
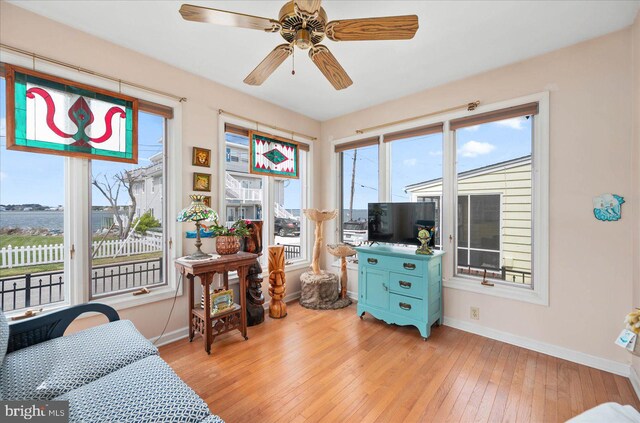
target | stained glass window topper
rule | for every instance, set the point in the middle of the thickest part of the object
(50, 115)
(273, 156)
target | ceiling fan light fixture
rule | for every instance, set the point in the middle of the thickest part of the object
(303, 39)
(304, 24)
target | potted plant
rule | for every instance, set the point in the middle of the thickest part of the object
(228, 237)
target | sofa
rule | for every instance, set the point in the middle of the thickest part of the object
(108, 373)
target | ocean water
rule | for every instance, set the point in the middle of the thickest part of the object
(52, 220)
(358, 214)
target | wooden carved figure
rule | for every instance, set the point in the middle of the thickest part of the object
(277, 306)
(255, 298)
(319, 217)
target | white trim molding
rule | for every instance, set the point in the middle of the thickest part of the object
(607, 365)
(170, 337)
(635, 381)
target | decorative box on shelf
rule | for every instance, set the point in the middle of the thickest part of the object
(400, 287)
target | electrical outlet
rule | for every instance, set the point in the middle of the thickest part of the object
(475, 313)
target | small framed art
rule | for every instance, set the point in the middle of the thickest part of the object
(201, 157)
(201, 181)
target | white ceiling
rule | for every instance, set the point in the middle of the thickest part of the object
(456, 39)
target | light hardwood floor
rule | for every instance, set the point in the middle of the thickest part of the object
(331, 366)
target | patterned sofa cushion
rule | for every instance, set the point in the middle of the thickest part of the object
(49, 369)
(145, 391)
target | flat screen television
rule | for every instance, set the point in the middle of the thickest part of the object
(399, 223)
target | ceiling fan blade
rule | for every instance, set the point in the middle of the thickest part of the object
(329, 66)
(269, 64)
(385, 28)
(193, 13)
(306, 8)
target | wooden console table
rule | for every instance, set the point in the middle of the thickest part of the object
(235, 318)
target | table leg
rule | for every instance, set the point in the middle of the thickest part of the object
(190, 281)
(242, 275)
(206, 282)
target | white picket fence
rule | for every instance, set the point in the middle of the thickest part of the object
(47, 254)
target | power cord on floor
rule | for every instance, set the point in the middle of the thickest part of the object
(170, 311)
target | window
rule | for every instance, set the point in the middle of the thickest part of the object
(416, 168)
(486, 172)
(127, 226)
(270, 199)
(494, 200)
(32, 226)
(359, 176)
(65, 226)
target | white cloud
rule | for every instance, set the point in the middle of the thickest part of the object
(475, 148)
(410, 162)
(435, 153)
(513, 123)
(471, 128)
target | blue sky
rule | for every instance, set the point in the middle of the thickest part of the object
(420, 159)
(39, 178)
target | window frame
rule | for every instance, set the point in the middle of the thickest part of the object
(167, 262)
(268, 217)
(539, 292)
(77, 202)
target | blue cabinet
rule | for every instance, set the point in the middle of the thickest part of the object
(400, 287)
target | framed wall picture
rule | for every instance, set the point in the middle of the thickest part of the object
(273, 156)
(51, 115)
(207, 200)
(201, 157)
(201, 181)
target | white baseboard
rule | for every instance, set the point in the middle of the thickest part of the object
(170, 337)
(287, 299)
(292, 297)
(607, 365)
(181, 333)
(635, 381)
(353, 295)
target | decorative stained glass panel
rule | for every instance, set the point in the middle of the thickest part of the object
(273, 156)
(50, 115)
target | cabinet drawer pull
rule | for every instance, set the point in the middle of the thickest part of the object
(409, 266)
(405, 306)
(405, 284)
(372, 261)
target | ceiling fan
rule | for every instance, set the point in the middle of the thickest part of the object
(303, 23)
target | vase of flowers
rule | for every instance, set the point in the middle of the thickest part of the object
(228, 237)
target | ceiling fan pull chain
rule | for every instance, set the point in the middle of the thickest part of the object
(293, 62)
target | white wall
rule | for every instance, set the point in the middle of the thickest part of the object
(31, 32)
(591, 265)
(635, 202)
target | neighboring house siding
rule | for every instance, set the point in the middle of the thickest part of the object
(148, 189)
(513, 182)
